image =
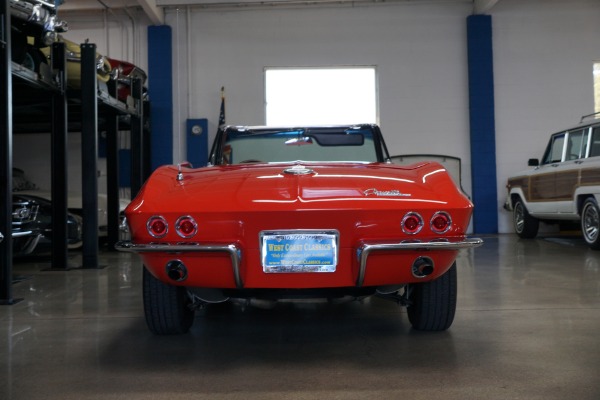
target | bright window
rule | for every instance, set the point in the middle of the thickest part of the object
(597, 87)
(320, 96)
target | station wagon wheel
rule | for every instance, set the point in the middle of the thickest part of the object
(525, 225)
(166, 307)
(433, 304)
(590, 223)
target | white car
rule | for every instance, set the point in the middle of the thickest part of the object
(563, 186)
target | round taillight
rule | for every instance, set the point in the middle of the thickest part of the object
(412, 223)
(157, 226)
(186, 227)
(441, 222)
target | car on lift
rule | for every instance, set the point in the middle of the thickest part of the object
(73, 55)
(125, 72)
(288, 213)
(34, 24)
(563, 187)
(106, 69)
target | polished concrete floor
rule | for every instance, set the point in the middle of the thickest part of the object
(527, 327)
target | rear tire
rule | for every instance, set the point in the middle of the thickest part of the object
(33, 59)
(525, 225)
(166, 307)
(433, 304)
(590, 223)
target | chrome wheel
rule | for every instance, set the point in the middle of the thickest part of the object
(590, 223)
(525, 225)
(519, 217)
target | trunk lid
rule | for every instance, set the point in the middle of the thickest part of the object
(301, 186)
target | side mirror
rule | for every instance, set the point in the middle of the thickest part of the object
(533, 162)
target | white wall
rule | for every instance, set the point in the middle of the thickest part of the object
(117, 34)
(419, 52)
(543, 62)
(543, 54)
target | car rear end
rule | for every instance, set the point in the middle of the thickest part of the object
(338, 226)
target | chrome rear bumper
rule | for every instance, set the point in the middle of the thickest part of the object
(233, 251)
(438, 245)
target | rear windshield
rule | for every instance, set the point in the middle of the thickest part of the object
(323, 144)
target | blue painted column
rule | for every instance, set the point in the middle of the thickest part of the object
(482, 123)
(160, 91)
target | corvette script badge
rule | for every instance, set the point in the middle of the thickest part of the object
(385, 193)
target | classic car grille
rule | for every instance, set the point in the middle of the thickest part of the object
(23, 212)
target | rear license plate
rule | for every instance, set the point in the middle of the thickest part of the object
(299, 251)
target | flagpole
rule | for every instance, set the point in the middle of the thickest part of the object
(222, 110)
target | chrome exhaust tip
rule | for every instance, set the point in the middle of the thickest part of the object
(176, 270)
(422, 267)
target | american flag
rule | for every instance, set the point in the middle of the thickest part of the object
(222, 113)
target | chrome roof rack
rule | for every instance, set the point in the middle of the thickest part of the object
(584, 117)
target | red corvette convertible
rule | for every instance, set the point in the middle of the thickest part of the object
(286, 213)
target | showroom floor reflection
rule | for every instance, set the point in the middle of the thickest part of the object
(526, 327)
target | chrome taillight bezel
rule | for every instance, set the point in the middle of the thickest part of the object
(432, 226)
(151, 231)
(182, 219)
(420, 223)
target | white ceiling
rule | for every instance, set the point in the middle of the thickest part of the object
(155, 13)
(71, 5)
(155, 8)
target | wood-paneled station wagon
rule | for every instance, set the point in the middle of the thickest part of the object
(296, 213)
(564, 186)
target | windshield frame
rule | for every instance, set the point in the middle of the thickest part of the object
(217, 156)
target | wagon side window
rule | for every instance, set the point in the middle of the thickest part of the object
(555, 149)
(595, 144)
(576, 145)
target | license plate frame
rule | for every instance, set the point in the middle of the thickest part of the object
(299, 251)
